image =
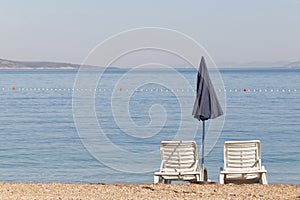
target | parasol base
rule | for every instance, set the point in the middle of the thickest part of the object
(205, 177)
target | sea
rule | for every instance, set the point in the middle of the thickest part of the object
(105, 126)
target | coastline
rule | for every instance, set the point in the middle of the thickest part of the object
(146, 191)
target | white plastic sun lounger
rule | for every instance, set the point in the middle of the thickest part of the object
(179, 162)
(242, 163)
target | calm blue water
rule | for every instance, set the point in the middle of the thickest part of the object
(49, 134)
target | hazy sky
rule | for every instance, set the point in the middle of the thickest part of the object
(66, 30)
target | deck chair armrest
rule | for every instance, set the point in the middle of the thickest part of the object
(196, 166)
(243, 172)
(175, 173)
(166, 173)
(161, 166)
(263, 169)
(189, 173)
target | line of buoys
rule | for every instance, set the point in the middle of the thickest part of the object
(121, 89)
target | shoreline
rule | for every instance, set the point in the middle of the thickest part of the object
(146, 191)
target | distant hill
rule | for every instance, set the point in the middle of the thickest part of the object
(260, 64)
(9, 64)
(293, 64)
(254, 64)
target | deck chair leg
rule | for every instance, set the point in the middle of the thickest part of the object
(157, 179)
(264, 179)
(222, 176)
(198, 178)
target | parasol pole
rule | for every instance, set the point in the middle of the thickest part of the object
(202, 161)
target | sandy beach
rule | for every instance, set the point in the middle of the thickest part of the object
(146, 191)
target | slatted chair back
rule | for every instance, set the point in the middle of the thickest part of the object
(242, 155)
(179, 156)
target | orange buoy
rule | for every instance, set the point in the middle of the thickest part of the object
(14, 88)
(245, 89)
(121, 89)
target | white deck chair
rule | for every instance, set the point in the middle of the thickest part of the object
(179, 162)
(242, 163)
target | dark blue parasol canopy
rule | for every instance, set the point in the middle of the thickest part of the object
(206, 105)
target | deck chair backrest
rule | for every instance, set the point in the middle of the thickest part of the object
(179, 156)
(242, 155)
